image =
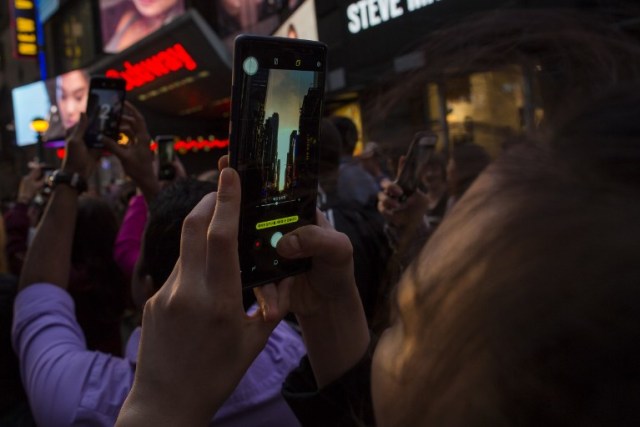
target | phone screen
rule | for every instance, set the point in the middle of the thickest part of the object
(277, 101)
(166, 170)
(104, 109)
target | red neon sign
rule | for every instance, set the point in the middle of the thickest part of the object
(162, 63)
(182, 145)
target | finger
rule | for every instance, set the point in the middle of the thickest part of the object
(180, 170)
(38, 184)
(127, 122)
(134, 111)
(267, 297)
(223, 162)
(35, 171)
(394, 190)
(222, 242)
(322, 221)
(324, 244)
(390, 204)
(401, 162)
(113, 146)
(78, 131)
(193, 240)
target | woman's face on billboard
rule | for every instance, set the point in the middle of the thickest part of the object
(154, 8)
(72, 90)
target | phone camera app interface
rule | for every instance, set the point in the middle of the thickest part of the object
(279, 135)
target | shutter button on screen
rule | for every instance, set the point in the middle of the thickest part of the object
(275, 238)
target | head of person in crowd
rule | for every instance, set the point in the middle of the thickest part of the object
(329, 159)
(155, 8)
(4, 267)
(96, 284)
(372, 159)
(434, 176)
(522, 304)
(72, 92)
(348, 132)
(467, 161)
(161, 241)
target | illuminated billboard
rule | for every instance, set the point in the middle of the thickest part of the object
(125, 22)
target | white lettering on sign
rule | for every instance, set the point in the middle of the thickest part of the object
(365, 14)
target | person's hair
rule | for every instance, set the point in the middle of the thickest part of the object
(437, 161)
(572, 55)
(4, 266)
(534, 321)
(97, 285)
(161, 242)
(469, 160)
(348, 133)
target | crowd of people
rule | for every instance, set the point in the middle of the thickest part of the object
(501, 292)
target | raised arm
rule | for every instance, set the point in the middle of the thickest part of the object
(136, 157)
(48, 259)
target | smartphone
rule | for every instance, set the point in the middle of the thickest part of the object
(276, 106)
(104, 109)
(420, 150)
(166, 155)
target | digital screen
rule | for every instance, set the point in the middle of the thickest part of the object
(125, 22)
(165, 151)
(29, 102)
(277, 140)
(302, 24)
(72, 38)
(104, 111)
(261, 17)
(69, 93)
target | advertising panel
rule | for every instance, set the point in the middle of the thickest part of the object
(125, 22)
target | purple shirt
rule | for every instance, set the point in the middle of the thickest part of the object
(70, 385)
(126, 249)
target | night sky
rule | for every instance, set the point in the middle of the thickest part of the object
(285, 91)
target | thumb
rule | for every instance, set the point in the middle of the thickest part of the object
(81, 127)
(321, 243)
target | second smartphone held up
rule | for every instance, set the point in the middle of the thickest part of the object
(104, 109)
(278, 92)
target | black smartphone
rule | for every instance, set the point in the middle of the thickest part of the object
(276, 106)
(166, 155)
(104, 109)
(420, 150)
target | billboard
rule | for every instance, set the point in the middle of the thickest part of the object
(29, 102)
(125, 22)
(302, 24)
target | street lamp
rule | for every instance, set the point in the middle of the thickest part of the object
(39, 126)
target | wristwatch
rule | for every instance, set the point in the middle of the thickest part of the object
(73, 180)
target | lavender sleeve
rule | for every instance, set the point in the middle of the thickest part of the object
(66, 384)
(127, 247)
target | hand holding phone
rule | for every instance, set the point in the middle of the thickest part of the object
(104, 110)
(410, 175)
(278, 90)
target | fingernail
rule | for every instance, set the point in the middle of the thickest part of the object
(264, 308)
